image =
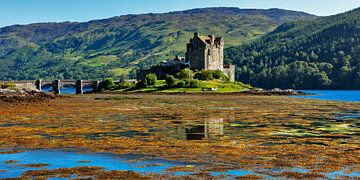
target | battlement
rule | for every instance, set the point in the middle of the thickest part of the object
(210, 40)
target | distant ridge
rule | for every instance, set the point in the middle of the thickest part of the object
(118, 45)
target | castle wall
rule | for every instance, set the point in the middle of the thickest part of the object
(215, 57)
(229, 71)
(195, 54)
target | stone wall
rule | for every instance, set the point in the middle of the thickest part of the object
(25, 85)
(229, 71)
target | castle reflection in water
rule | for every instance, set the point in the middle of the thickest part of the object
(212, 129)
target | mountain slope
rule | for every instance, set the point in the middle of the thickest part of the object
(321, 54)
(114, 46)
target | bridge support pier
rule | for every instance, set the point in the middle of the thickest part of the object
(38, 85)
(96, 86)
(56, 86)
(79, 87)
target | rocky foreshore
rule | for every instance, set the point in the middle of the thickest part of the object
(20, 96)
(275, 92)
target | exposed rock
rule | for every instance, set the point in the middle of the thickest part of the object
(275, 91)
(19, 96)
(209, 89)
(7, 91)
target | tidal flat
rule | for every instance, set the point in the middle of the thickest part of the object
(187, 135)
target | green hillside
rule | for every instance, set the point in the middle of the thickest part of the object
(116, 46)
(321, 54)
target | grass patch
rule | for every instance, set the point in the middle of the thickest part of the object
(99, 60)
(7, 85)
(120, 71)
(217, 86)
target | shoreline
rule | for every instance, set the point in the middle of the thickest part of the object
(24, 96)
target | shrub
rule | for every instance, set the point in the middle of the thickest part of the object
(124, 84)
(185, 74)
(170, 81)
(218, 74)
(226, 78)
(140, 84)
(109, 84)
(204, 75)
(195, 83)
(188, 83)
(181, 84)
(150, 79)
(7, 85)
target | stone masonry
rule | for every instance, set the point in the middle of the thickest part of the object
(207, 52)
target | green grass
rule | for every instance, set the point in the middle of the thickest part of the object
(99, 60)
(221, 87)
(120, 71)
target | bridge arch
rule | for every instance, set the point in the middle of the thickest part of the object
(47, 86)
(68, 87)
(88, 87)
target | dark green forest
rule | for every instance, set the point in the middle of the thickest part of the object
(321, 54)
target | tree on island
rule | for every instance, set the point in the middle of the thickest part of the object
(185, 74)
(147, 81)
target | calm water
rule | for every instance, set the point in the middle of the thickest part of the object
(333, 95)
(68, 90)
(71, 159)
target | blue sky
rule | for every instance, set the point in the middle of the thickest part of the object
(31, 11)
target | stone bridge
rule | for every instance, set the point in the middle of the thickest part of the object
(58, 84)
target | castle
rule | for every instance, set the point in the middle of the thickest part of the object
(202, 53)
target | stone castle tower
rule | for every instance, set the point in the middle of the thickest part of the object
(203, 53)
(207, 52)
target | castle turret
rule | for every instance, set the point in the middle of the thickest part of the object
(196, 34)
(212, 39)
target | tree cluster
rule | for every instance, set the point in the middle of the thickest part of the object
(324, 54)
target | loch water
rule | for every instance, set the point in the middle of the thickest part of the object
(333, 95)
(53, 159)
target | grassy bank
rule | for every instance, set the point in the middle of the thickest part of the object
(217, 86)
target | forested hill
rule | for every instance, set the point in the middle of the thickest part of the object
(117, 45)
(324, 53)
